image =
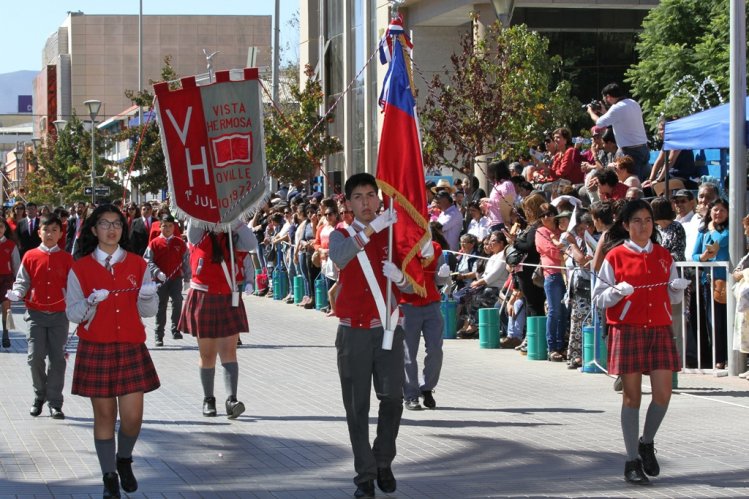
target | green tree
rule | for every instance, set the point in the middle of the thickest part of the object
(499, 93)
(293, 150)
(63, 166)
(150, 164)
(683, 46)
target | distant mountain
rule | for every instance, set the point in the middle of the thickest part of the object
(11, 86)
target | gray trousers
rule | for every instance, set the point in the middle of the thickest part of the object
(170, 289)
(48, 334)
(362, 360)
(426, 320)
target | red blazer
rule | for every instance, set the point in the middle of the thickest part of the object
(49, 279)
(168, 255)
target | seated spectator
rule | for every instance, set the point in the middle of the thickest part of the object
(566, 161)
(633, 194)
(680, 165)
(624, 168)
(501, 200)
(607, 185)
(479, 224)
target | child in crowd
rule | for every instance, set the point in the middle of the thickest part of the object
(109, 290)
(42, 281)
(10, 259)
(168, 261)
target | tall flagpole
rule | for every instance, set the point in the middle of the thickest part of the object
(387, 337)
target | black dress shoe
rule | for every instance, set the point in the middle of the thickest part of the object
(209, 407)
(429, 401)
(176, 335)
(234, 408)
(36, 407)
(365, 489)
(159, 342)
(649, 462)
(6, 340)
(633, 473)
(386, 480)
(56, 413)
(111, 486)
(125, 469)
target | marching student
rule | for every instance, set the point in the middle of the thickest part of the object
(42, 280)
(168, 261)
(360, 252)
(214, 312)
(637, 284)
(10, 260)
(109, 290)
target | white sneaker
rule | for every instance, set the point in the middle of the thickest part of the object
(744, 375)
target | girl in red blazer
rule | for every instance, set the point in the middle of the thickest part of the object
(109, 290)
(637, 284)
(211, 315)
(10, 259)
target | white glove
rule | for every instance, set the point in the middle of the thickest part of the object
(624, 289)
(161, 276)
(186, 285)
(427, 251)
(393, 273)
(679, 284)
(148, 290)
(444, 270)
(12, 295)
(97, 296)
(385, 220)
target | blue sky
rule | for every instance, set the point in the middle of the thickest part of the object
(24, 32)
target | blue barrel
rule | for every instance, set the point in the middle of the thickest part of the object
(449, 309)
(536, 337)
(488, 328)
(298, 288)
(321, 292)
(591, 336)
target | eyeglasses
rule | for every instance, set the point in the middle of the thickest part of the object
(106, 224)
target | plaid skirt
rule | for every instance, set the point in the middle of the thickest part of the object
(112, 369)
(207, 315)
(638, 349)
(6, 284)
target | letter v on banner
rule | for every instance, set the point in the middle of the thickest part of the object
(212, 137)
(400, 170)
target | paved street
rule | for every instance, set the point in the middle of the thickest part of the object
(504, 426)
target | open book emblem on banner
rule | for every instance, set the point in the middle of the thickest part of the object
(232, 149)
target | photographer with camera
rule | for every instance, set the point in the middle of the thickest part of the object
(625, 117)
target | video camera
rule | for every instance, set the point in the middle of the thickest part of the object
(595, 105)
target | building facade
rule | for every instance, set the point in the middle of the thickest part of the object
(96, 57)
(596, 36)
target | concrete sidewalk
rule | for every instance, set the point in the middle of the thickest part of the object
(504, 427)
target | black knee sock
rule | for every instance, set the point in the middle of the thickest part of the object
(125, 444)
(206, 379)
(105, 451)
(231, 378)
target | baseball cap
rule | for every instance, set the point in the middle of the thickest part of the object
(597, 130)
(684, 193)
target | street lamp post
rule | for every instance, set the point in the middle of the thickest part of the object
(93, 107)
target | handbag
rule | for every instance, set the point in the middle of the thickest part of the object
(538, 277)
(316, 259)
(513, 256)
(329, 269)
(719, 291)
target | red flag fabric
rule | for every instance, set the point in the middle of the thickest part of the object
(212, 137)
(400, 170)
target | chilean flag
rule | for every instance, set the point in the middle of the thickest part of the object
(400, 170)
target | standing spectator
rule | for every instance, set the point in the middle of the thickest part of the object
(75, 223)
(141, 229)
(640, 339)
(9, 263)
(550, 249)
(213, 311)
(680, 164)
(625, 117)
(42, 281)
(28, 229)
(712, 246)
(450, 219)
(672, 233)
(18, 214)
(479, 225)
(361, 358)
(112, 364)
(169, 263)
(421, 315)
(501, 200)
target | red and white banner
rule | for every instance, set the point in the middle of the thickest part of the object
(212, 137)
